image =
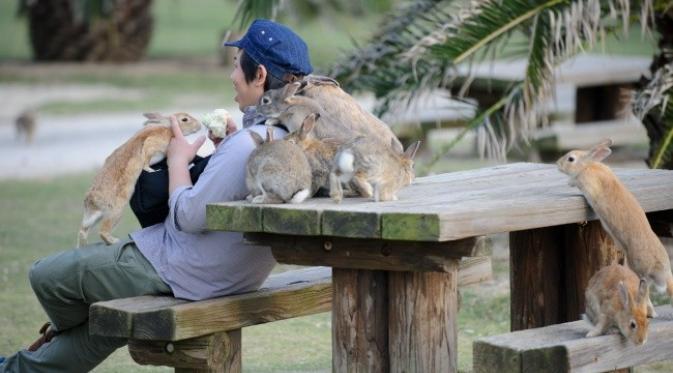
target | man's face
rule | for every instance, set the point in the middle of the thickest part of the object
(247, 94)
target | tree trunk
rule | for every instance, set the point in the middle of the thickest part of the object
(122, 35)
(655, 126)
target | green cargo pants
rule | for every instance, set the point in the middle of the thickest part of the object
(66, 284)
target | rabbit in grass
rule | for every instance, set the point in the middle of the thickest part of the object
(277, 171)
(376, 170)
(617, 298)
(620, 214)
(25, 124)
(114, 183)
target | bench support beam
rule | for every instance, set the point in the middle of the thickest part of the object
(218, 352)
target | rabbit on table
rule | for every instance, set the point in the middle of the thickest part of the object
(617, 298)
(620, 214)
(277, 171)
(376, 170)
(113, 184)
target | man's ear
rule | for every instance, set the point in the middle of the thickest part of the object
(260, 76)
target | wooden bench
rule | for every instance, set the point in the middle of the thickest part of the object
(564, 348)
(206, 335)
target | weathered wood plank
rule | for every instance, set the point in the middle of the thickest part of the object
(370, 253)
(464, 204)
(423, 308)
(564, 347)
(360, 321)
(238, 219)
(218, 352)
(286, 295)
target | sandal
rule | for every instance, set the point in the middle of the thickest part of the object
(47, 332)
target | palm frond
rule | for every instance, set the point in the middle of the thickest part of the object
(556, 30)
(247, 10)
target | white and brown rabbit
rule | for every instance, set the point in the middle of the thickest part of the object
(376, 170)
(277, 171)
(620, 214)
(114, 183)
(617, 299)
(319, 152)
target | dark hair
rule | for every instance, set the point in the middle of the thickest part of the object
(249, 67)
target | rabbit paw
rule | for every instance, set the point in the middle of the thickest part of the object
(258, 199)
(594, 332)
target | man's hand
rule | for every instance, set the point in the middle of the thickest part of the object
(180, 152)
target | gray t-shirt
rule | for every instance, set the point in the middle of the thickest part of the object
(197, 263)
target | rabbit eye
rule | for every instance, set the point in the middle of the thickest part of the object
(633, 325)
(266, 100)
(184, 119)
(571, 159)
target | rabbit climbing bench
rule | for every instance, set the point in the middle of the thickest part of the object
(564, 348)
(206, 335)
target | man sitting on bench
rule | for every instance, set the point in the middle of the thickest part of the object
(176, 256)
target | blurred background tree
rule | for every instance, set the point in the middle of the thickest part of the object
(88, 30)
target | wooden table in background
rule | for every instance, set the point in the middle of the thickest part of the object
(395, 263)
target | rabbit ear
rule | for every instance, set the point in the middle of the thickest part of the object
(599, 153)
(153, 118)
(269, 133)
(643, 291)
(623, 294)
(410, 153)
(291, 89)
(256, 138)
(307, 125)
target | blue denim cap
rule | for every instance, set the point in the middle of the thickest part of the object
(275, 46)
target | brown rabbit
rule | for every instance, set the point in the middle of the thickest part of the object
(620, 215)
(617, 298)
(319, 153)
(113, 184)
(376, 170)
(277, 171)
(25, 126)
(283, 106)
(343, 108)
(342, 118)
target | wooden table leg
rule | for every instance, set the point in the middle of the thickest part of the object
(423, 309)
(359, 321)
(391, 321)
(550, 269)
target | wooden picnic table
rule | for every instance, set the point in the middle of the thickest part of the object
(395, 263)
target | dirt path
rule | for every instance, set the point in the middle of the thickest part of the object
(66, 144)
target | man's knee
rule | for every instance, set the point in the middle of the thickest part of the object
(39, 277)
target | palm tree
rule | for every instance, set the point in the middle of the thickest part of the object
(419, 47)
(88, 30)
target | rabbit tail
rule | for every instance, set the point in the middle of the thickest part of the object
(91, 217)
(300, 196)
(345, 165)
